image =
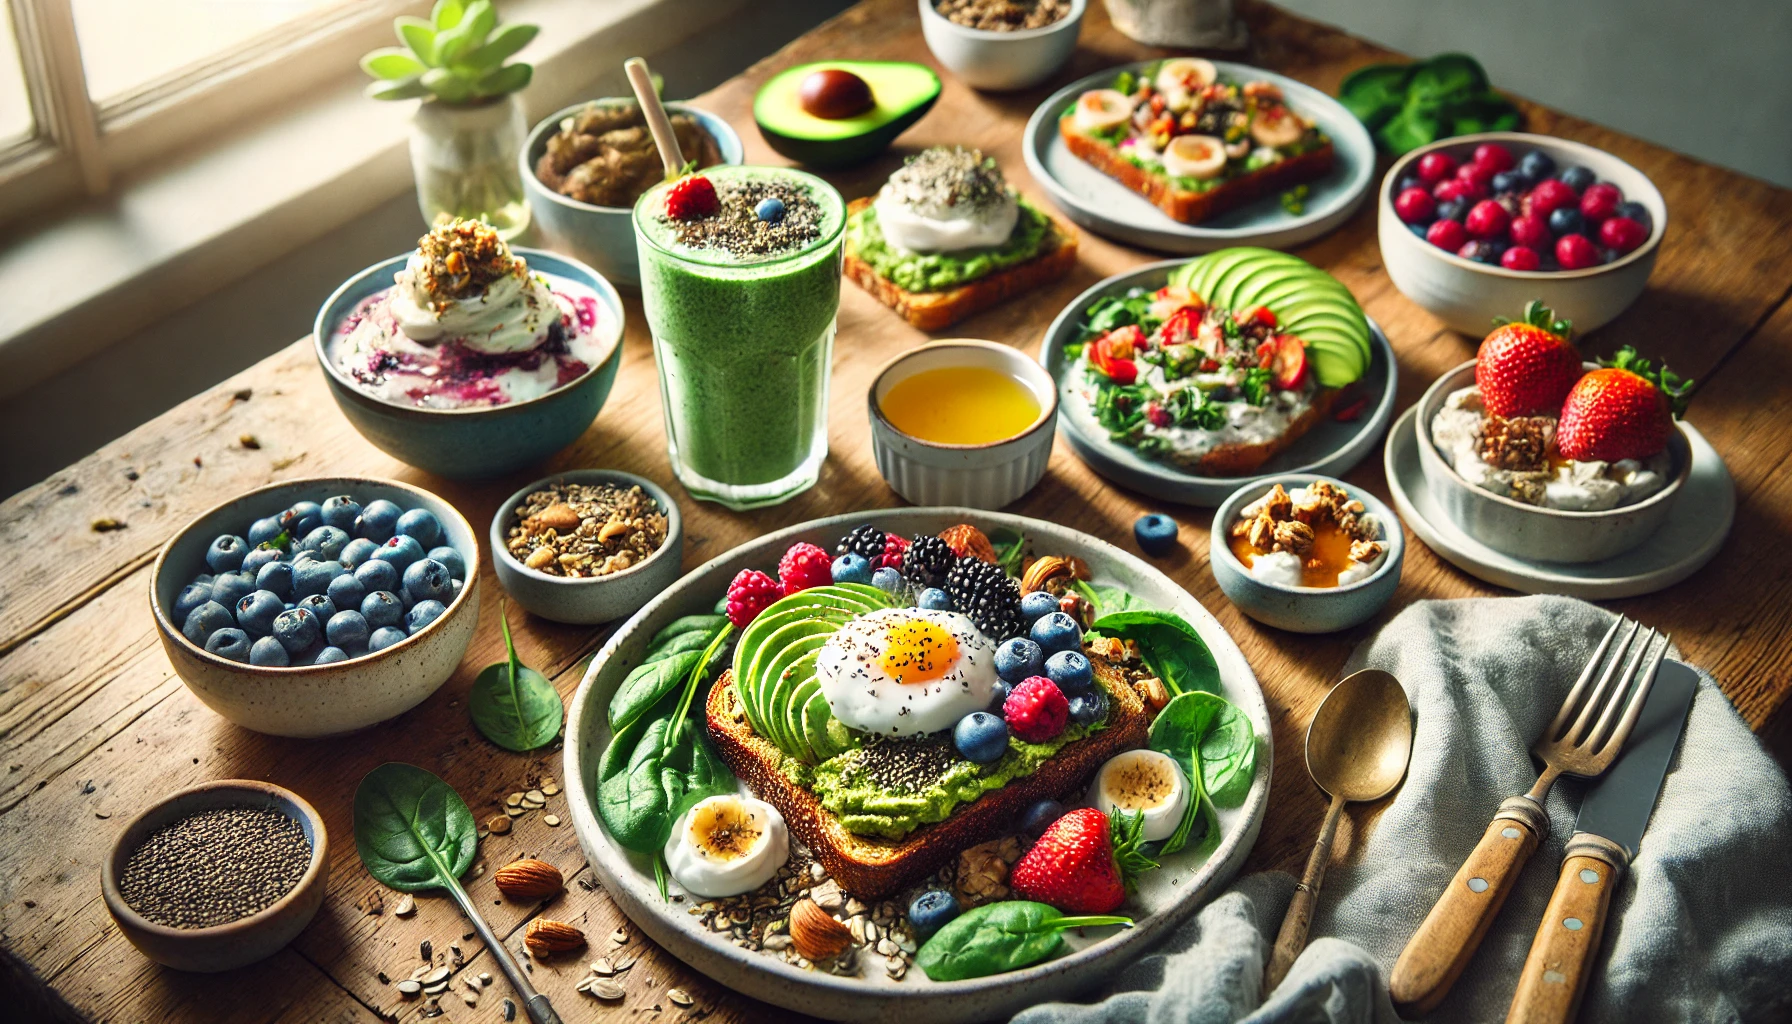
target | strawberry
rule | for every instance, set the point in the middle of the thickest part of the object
(1112, 353)
(1527, 366)
(1623, 410)
(1082, 864)
(691, 197)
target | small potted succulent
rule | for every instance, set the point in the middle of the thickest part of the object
(467, 130)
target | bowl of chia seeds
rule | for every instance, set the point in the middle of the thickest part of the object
(217, 876)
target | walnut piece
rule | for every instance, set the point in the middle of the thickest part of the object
(1519, 444)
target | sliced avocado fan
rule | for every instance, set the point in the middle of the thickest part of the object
(1308, 303)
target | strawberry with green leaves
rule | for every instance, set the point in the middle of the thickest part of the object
(1527, 366)
(1083, 864)
(1623, 410)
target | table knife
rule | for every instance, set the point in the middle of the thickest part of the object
(1613, 815)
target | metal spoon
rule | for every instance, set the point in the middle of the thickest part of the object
(1358, 745)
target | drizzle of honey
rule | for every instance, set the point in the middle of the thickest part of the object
(1325, 561)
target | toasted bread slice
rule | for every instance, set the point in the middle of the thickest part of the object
(1195, 207)
(1242, 459)
(872, 868)
(931, 311)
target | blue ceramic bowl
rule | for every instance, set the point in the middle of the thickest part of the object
(471, 444)
(603, 236)
(1305, 609)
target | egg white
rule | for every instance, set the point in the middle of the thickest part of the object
(1162, 817)
(863, 696)
(705, 874)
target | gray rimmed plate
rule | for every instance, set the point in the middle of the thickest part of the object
(1099, 203)
(1165, 897)
(1329, 448)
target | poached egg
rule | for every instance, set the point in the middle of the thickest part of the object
(727, 845)
(1143, 782)
(906, 671)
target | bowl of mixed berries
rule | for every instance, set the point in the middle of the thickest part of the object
(1477, 225)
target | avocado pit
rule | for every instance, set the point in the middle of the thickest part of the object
(833, 94)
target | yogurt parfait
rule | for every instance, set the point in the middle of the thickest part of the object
(1316, 536)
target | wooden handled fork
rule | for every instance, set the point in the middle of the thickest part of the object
(1584, 740)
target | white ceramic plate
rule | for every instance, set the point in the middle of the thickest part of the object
(1329, 448)
(1693, 533)
(1164, 898)
(1099, 203)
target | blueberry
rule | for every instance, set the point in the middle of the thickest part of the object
(998, 696)
(268, 652)
(191, 596)
(226, 553)
(258, 557)
(1070, 670)
(770, 209)
(928, 912)
(1537, 165)
(1421, 230)
(329, 656)
(1452, 209)
(935, 599)
(1039, 817)
(981, 737)
(406, 601)
(428, 580)
(1635, 211)
(421, 524)
(255, 613)
(357, 551)
(263, 530)
(1409, 181)
(851, 568)
(230, 587)
(302, 518)
(297, 629)
(326, 542)
(346, 592)
(1578, 178)
(1019, 658)
(1088, 708)
(457, 585)
(229, 643)
(319, 605)
(888, 580)
(1156, 534)
(382, 608)
(348, 630)
(377, 574)
(1037, 605)
(1507, 181)
(1566, 220)
(1057, 632)
(341, 512)
(205, 578)
(457, 566)
(275, 577)
(422, 614)
(379, 520)
(384, 637)
(401, 551)
(314, 577)
(205, 620)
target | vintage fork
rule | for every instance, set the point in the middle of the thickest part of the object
(1584, 740)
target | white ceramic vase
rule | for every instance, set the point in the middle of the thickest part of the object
(1203, 24)
(464, 160)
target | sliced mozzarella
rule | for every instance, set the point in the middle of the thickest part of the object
(1194, 156)
(727, 845)
(1101, 109)
(1143, 782)
(1279, 128)
(1184, 74)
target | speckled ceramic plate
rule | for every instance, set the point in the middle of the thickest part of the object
(1099, 203)
(1329, 448)
(1164, 898)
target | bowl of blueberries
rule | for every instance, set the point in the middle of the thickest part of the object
(1474, 227)
(320, 606)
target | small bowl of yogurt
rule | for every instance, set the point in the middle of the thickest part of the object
(1306, 553)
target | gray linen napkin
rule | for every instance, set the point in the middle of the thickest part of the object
(1701, 927)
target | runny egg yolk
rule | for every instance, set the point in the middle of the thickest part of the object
(917, 651)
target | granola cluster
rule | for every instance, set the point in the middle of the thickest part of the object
(1003, 15)
(605, 155)
(581, 530)
(462, 258)
(1276, 522)
(1520, 444)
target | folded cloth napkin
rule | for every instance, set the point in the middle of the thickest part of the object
(1700, 928)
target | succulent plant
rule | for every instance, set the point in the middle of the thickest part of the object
(456, 55)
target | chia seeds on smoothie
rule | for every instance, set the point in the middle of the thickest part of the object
(737, 228)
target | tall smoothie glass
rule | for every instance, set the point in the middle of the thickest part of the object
(741, 298)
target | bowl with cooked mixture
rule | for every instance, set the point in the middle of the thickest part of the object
(589, 546)
(584, 167)
(1001, 45)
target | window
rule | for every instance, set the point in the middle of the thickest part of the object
(129, 44)
(15, 102)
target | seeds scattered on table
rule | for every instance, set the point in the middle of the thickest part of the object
(604, 988)
(407, 905)
(552, 820)
(582, 531)
(215, 867)
(679, 997)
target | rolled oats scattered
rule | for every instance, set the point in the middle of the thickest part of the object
(582, 531)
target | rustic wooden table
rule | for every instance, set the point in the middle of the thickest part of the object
(94, 723)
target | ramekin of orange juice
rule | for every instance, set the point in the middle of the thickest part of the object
(963, 422)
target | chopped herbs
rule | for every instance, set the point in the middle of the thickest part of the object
(1295, 200)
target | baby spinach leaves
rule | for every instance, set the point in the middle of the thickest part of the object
(412, 830)
(671, 655)
(1170, 647)
(1406, 106)
(515, 707)
(1105, 600)
(1214, 743)
(999, 937)
(1010, 547)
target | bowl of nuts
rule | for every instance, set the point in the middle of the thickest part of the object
(588, 546)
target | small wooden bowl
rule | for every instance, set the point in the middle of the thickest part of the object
(240, 942)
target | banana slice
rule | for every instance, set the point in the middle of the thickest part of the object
(1276, 126)
(1143, 782)
(1100, 109)
(1184, 74)
(1194, 156)
(727, 845)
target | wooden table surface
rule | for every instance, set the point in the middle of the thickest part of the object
(94, 723)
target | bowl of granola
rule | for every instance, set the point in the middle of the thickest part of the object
(1002, 45)
(587, 546)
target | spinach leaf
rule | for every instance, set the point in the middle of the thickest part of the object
(1011, 549)
(412, 830)
(1214, 743)
(1000, 937)
(1111, 311)
(1105, 600)
(515, 707)
(704, 625)
(670, 657)
(1170, 647)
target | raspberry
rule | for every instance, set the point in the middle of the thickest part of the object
(1621, 233)
(1487, 220)
(1494, 157)
(1036, 710)
(1576, 252)
(1435, 167)
(1520, 257)
(1415, 206)
(805, 566)
(1549, 195)
(894, 548)
(691, 198)
(1446, 234)
(750, 593)
(1480, 174)
(1532, 231)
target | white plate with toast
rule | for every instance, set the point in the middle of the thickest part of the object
(1164, 898)
(1103, 205)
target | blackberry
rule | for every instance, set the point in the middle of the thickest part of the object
(865, 541)
(989, 596)
(927, 561)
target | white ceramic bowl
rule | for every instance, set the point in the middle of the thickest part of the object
(972, 475)
(1526, 531)
(315, 700)
(596, 599)
(1467, 295)
(1001, 61)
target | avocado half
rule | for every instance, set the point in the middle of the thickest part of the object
(1308, 303)
(901, 91)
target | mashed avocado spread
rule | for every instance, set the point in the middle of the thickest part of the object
(933, 272)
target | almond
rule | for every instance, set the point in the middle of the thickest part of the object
(965, 539)
(558, 516)
(529, 879)
(545, 938)
(1049, 568)
(815, 933)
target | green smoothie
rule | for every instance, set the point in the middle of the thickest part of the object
(741, 300)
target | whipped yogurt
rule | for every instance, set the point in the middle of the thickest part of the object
(947, 199)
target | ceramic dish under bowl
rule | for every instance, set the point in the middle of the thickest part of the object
(1165, 897)
(1001, 61)
(1331, 447)
(1467, 295)
(1306, 609)
(597, 599)
(1103, 205)
(472, 444)
(226, 946)
(1528, 531)
(973, 475)
(307, 701)
(603, 236)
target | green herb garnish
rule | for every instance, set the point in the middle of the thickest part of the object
(1000, 937)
